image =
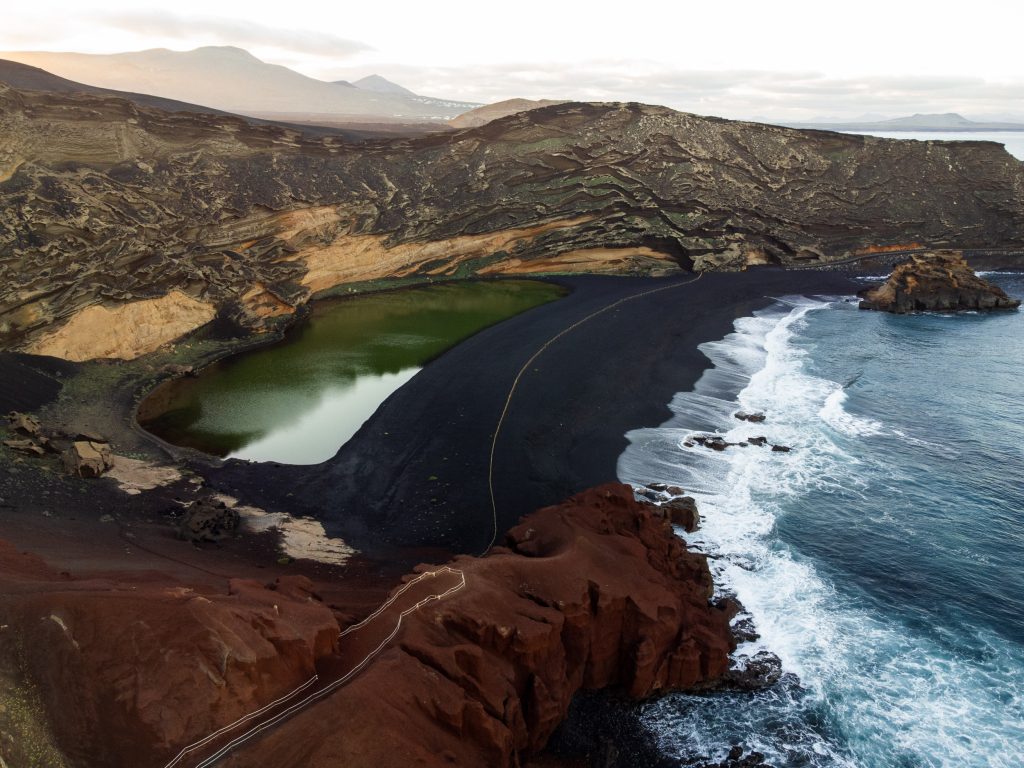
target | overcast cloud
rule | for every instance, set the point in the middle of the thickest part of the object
(229, 31)
(793, 96)
(784, 60)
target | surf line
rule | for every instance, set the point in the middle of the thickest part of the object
(528, 363)
(291, 709)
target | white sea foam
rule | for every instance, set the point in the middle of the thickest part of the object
(836, 416)
(872, 692)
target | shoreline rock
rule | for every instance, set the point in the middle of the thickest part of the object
(935, 281)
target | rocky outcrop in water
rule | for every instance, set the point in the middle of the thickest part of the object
(123, 227)
(940, 281)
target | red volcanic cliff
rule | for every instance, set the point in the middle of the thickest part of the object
(592, 593)
(129, 667)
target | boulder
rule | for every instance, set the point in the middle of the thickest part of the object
(781, 448)
(86, 458)
(936, 281)
(745, 631)
(758, 441)
(208, 520)
(25, 446)
(683, 512)
(24, 424)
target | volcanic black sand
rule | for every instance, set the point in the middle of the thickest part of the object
(30, 381)
(415, 475)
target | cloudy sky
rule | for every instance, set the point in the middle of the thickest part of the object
(781, 59)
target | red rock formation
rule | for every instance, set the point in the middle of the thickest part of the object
(131, 669)
(595, 592)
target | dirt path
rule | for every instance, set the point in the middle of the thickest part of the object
(358, 645)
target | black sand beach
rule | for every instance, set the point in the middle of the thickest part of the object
(415, 475)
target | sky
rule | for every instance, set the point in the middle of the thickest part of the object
(785, 60)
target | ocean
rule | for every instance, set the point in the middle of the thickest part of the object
(882, 559)
(1012, 140)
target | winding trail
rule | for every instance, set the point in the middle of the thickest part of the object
(358, 645)
(530, 361)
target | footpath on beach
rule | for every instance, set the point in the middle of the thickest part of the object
(358, 645)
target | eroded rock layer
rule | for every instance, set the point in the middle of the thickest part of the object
(105, 203)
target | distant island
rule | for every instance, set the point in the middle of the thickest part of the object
(949, 121)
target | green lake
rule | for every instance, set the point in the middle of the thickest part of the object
(299, 401)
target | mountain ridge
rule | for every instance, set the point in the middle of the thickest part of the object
(230, 79)
(27, 77)
(106, 205)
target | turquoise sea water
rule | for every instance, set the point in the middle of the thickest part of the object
(883, 558)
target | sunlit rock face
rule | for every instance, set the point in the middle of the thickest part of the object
(940, 281)
(105, 203)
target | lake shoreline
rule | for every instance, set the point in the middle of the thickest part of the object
(404, 477)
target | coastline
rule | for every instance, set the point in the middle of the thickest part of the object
(851, 623)
(565, 431)
(410, 473)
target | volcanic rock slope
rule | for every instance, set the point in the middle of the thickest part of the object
(123, 227)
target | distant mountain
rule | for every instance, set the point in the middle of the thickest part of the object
(866, 117)
(28, 78)
(948, 121)
(378, 84)
(231, 79)
(488, 112)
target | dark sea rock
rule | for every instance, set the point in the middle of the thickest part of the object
(762, 670)
(714, 442)
(939, 281)
(682, 511)
(745, 631)
(756, 418)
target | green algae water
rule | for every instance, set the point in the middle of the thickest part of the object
(299, 401)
